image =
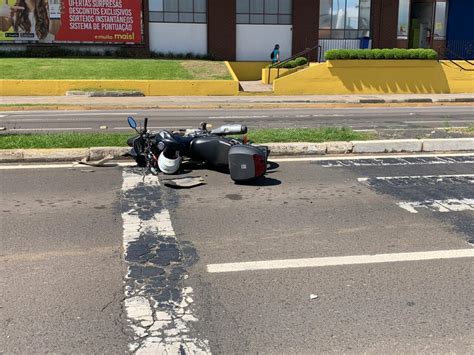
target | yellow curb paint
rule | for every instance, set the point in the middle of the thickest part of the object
(147, 87)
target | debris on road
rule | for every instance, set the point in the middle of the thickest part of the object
(98, 163)
(313, 296)
(185, 183)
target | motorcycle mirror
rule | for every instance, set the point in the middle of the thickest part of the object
(132, 123)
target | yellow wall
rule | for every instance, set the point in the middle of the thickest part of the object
(269, 75)
(247, 71)
(377, 77)
(147, 87)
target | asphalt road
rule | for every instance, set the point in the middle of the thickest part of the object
(62, 263)
(415, 119)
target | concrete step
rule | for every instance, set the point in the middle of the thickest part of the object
(255, 86)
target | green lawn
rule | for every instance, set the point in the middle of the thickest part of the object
(126, 69)
(87, 140)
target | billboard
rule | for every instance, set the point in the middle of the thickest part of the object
(53, 21)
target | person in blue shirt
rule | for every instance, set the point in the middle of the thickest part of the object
(275, 56)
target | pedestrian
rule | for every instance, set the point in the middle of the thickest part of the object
(275, 56)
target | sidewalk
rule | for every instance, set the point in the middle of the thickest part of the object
(243, 101)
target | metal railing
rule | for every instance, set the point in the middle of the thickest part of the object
(304, 53)
(451, 55)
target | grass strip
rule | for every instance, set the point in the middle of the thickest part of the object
(87, 140)
(111, 69)
(309, 135)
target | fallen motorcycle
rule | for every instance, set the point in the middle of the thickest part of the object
(164, 150)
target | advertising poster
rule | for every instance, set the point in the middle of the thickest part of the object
(50, 21)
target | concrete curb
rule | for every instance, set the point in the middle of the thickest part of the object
(277, 149)
(274, 103)
(107, 93)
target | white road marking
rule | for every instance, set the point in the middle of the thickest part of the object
(384, 178)
(340, 261)
(157, 330)
(440, 121)
(236, 117)
(164, 127)
(59, 166)
(50, 129)
(449, 205)
(92, 113)
(1, 116)
(368, 157)
(276, 160)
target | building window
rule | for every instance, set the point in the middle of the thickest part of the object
(268, 12)
(403, 19)
(440, 20)
(188, 11)
(344, 19)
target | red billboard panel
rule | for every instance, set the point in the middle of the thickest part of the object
(101, 21)
(49, 21)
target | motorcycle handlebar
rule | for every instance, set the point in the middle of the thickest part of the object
(145, 124)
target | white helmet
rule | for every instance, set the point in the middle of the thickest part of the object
(169, 165)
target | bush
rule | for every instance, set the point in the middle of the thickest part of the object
(301, 61)
(290, 65)
(386, 53)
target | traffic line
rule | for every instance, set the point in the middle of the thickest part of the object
(62, 166)
(369, 157)
(440, 121)
(440, 177)
(236, 117)
(276, 160)
(449, 205)
(50, 129)
(164, 127)
(90, 114)
(339, 261)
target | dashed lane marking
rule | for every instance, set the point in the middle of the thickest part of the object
(449, 205)
(340, 261)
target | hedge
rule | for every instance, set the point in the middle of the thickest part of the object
(395, 53)
(292, 63)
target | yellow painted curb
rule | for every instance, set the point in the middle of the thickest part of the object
(147, 87)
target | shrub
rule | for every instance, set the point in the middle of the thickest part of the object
(369, 54)
(301, 61)
(332, 54)
(289, 65)
(399, 53)
(386, 53)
